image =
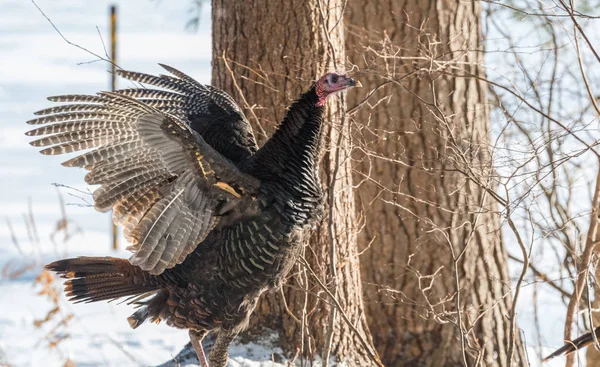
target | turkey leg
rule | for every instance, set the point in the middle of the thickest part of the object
(220, 351)
(196, 338)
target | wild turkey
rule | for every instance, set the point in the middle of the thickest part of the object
(576, 344)
(212, 221)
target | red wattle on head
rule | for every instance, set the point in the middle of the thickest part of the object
(331, 83)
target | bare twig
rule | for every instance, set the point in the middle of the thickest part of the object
(69, 42)
(369, 349)
(242, 96)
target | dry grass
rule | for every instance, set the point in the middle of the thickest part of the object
(56, 316)
(56, 320)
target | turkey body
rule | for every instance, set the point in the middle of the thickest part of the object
(247, 259)
(212, 221)
(218, 285)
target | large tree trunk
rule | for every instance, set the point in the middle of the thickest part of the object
(421, 213)
(265, 53)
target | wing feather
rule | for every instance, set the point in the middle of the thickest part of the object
(104, 114)
(152, 94)
(77, 98)
(78, 136)
(208, 110)
(164, 182)
(151, 79)
(108, 154)
(109, 195)
(130, 210)
(181, 235)
(151, 228)
(141, 207)
(181, 252)
(154, 260)
(123, 170)
(77, 126)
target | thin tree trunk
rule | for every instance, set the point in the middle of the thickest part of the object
(433, 237)
(265, 53)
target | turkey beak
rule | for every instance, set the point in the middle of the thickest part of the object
(353, 83)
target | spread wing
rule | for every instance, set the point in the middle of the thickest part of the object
(166, 185)
(208, 110)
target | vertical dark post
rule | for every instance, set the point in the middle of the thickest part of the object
(113, 86)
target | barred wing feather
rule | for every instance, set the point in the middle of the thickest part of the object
(208, 110)
(164, 182)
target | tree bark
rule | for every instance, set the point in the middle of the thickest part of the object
(432, 243)
(265, 53)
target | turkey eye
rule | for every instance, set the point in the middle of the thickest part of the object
(334, 79)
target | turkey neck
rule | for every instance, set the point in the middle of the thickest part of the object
(289, 159)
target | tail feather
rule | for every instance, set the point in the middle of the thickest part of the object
(92, 279)
(153, 309)
(138, 317)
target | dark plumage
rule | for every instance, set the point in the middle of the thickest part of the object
(575, 344)
(212, 221)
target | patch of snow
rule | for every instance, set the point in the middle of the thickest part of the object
(38, 63)
(261, 353)
(99, 334)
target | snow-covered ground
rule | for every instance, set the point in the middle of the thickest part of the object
(36, 62)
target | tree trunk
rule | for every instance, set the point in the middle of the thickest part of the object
(416, 132)
(265, 53)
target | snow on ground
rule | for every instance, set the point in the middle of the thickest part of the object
(99, 334)
(37, 63)
(262, 353)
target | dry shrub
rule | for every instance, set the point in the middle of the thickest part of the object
(56, 315)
